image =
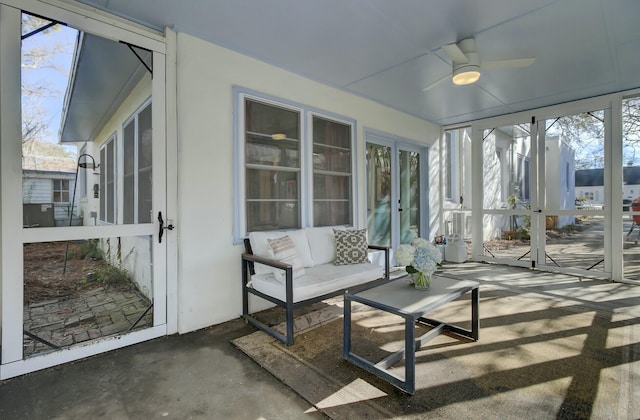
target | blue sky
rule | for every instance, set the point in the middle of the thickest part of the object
(55, 79)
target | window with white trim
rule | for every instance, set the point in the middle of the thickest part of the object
(332, 179)
(61, 191)
(108, 172)
(297, 167)
(137, 167)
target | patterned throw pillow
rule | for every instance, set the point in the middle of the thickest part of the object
(284, 251)
(351, 247)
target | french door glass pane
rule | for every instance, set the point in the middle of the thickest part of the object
(378, 194)
(409, 196)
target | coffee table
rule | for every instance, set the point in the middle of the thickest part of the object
(399, 297)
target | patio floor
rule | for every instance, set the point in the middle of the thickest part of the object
(91, 314)
(202, 375)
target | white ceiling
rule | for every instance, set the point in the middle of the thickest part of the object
(389, 50)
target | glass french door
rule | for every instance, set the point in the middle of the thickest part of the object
(395, 199)
(83, 214)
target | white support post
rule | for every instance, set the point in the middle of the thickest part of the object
(11, 260)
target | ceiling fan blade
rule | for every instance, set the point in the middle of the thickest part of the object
(442, 79)
(506, 64)
(455, 53)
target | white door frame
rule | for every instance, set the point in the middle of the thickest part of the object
(396, 144)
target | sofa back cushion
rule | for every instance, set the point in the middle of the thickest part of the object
(260, 247)
(322, 242)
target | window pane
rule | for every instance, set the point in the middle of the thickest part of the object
(128, 142)
(272, 141)
(269, 120)
(330, 213)
(331, 133)
(111, 182)
(263, 150)
(103, 180)
(144, 165)
(271, 215)
(332, 187)
(272, 185)
(331, 172)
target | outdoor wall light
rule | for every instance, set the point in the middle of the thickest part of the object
(278, 136)
(86, 164)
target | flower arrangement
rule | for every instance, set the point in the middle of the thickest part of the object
(420, 258)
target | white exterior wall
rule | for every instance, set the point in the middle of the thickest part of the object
(37, 190)
(135, 251)
(560, 189)
(209, 279)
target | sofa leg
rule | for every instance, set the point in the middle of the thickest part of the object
(289, 320)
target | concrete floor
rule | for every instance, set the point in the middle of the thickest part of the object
(191, 376)
(202, 375)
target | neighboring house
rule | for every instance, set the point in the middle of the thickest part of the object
(47, 191)
(506, 162)
(590, 185)
(117, 136)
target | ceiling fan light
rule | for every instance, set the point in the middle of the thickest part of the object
(465, 75)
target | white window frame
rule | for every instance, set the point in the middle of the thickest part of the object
(60, 190)
(104, 164)
(133, 118)
(306, 157)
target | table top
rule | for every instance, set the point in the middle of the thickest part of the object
(401, 297)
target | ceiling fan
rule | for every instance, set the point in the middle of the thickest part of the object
(466, 64)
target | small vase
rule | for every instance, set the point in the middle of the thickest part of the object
(422, 280)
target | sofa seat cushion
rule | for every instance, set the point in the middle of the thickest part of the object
(318, 280)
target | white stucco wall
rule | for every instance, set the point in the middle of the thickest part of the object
(209, 262)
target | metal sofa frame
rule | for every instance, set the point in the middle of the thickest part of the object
(248, 260)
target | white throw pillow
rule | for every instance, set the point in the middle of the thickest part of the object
(284, 250)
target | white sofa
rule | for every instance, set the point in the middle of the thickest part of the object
(318, 279)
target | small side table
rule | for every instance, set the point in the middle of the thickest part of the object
(400, 298)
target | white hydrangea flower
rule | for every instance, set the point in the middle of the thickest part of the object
(405, 254)
(420, 243)
(421, 255)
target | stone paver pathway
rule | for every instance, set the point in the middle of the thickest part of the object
(88, 315)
